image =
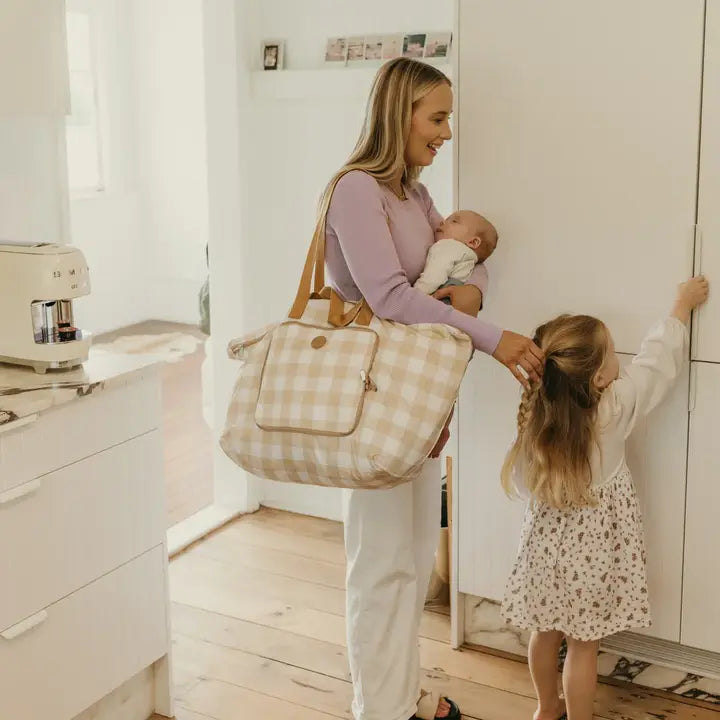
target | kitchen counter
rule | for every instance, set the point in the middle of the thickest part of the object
(25, 393)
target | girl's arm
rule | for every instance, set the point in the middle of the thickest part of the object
(652, 373)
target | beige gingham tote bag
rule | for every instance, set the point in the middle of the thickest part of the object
(334, 396)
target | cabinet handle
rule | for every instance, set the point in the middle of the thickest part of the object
(25, 626)
(692, 390)
(15, 424)
(697, 270)
(20, 491)
(690, 254)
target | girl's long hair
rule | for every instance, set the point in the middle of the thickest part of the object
(556, 419)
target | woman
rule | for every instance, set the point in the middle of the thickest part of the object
(380, 224)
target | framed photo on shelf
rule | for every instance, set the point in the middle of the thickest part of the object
(356, 48)
(414, 45)
(392, 47)
(336, 50)
(438, 44)
(374, 47)
(273, 54)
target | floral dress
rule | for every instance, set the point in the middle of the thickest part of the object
(582, 571)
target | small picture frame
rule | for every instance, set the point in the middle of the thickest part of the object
(273, 54)
(392, 46)
(373, 47)
(438, 45)
(356, 49)
(414, 45)
(336, 50)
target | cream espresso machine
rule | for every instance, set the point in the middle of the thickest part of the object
(38, 284)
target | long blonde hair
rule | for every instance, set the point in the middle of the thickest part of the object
(380, 149)
(556, 419)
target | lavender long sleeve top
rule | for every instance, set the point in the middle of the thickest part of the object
(376, 245)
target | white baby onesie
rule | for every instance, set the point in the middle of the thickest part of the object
(447, 259)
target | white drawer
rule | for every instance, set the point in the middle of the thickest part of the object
(77, 651)
(64, 530)
(80, 428)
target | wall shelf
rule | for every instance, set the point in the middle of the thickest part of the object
(331, 83)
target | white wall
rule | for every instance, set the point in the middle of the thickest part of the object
(109, 227)
(169, 77)
(144, 236)
(287, 151)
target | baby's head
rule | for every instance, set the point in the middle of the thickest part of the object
(473, 230)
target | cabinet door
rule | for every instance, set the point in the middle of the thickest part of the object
(490, 523)
(33, 58)
(706, 345)
(701, 587)
(578, 128)
(657, 457)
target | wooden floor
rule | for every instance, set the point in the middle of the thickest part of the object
(258, 628)
(187, 438)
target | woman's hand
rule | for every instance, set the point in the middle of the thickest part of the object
(465, 298)
(515, 350)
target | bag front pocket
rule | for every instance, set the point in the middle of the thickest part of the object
(315, 379)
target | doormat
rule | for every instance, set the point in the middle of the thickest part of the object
(167, 347)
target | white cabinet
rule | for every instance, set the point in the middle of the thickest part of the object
(657, 456)
(488, 521)
(84, 603)
(578, 133)
(33, 58)
(706, 344)
(578, 129)
(78, 523)
(85, 645)
(701, 588)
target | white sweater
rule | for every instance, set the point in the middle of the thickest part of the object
(446, 259)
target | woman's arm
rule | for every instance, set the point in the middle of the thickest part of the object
(359, 220)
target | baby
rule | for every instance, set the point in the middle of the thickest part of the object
(463, 240)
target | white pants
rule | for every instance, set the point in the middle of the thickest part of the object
(390, 539)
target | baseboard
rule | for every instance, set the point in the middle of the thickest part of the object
(197, 526)
(627, 657)
(664, 654)
(315, 501)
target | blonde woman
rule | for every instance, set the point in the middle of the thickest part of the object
(580, 572)
(380, 225)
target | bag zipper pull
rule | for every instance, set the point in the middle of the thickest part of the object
(367, 381)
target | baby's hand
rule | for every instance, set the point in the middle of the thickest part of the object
(690, 295)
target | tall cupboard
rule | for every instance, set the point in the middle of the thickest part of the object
(590, 134)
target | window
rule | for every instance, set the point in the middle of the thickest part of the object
(84, 156)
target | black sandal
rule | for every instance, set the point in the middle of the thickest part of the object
(454, 713)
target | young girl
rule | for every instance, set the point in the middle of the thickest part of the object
(580, 572)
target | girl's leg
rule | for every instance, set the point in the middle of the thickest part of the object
(580, 678)
(543, 656)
